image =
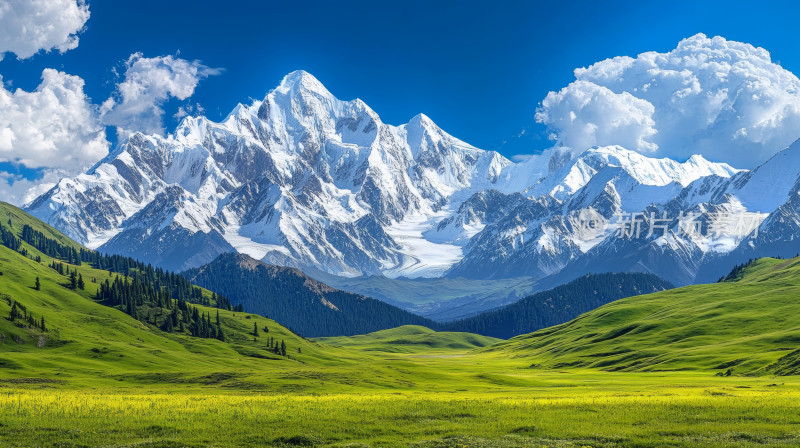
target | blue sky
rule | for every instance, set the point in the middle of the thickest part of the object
(478, 69)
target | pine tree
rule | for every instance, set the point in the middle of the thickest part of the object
(43, 327)
(73, 280)
(38, 285)
(14, 312)
(255, 329)
(218, 318)
(283, 348)
(81, 285)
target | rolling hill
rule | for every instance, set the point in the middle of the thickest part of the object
(411, 339)
(86, 337)
(749, 323)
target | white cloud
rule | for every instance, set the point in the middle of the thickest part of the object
(189, 109)
(149, 82)
(726, 100)
(54, 126)
(57, 129)
(17, 190)
(29, 26)
(586, 114)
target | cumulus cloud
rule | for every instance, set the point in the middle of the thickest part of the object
(137, 104)
(16, 189)
(57, 131)
(30, 26)
(724, 99)
(54, 126)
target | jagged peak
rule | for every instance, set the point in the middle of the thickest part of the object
(421, 120)
(301, 80)
(697, 159)
(421, 124)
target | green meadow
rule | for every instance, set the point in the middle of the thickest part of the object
(708, 365)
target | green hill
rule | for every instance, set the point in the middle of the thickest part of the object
(411, 339)
(88, 338)
(92, 342)
(745, 324)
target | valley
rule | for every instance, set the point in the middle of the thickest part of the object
(475, 225)
(687, 367)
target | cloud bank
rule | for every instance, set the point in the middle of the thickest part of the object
(16, 189)
(54, 126)
(723, 99)
(137, 104)
(30, 26)
(55, 129)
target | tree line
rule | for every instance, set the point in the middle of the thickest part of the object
(178, 286)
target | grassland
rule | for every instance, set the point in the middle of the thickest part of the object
(626, 410)
(411, 339)
(98, 377)
(746, 325)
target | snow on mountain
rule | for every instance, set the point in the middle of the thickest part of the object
(299, 178)
(304, 179)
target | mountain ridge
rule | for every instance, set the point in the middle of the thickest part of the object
(306, 306)
(306, 180)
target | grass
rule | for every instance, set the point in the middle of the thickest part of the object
(745, 325)
(636, 373)
(629, 410)
(411, 339)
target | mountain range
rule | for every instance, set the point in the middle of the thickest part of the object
(303, 179)
(238, 283)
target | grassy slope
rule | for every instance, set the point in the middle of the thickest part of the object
(91, 344)
(19, 218)
(411, 339)
(88, 338)
(747, 325)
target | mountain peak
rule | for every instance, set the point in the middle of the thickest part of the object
(421, 120)
(301, 80)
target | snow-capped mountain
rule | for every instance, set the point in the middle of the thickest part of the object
(304, 179)
(572, 210)
(300, 178)
(711, 225)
